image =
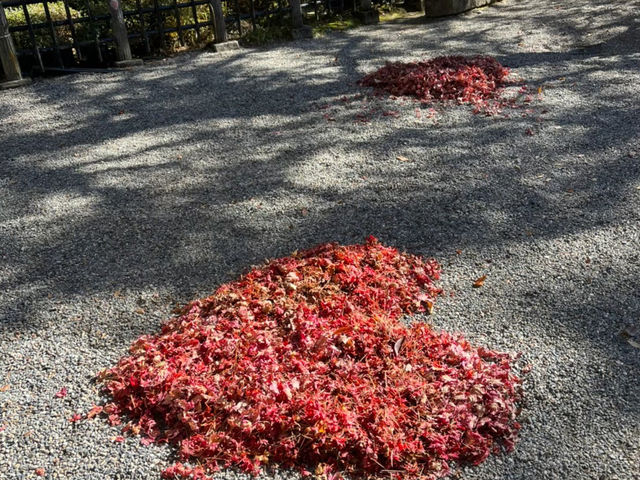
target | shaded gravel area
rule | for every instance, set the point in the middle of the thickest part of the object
(123, 194)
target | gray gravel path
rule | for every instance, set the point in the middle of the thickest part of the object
(125, 193)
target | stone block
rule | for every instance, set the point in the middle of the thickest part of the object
(226, 46)
(4, 85)
(135, 62)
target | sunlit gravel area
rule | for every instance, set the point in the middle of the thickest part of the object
(126, 193)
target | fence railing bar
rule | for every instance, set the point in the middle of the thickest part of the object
(253, 13)
(140, 13)
(32, 36)
(92, 25)
(196, 21)
(156, 16)
(177, 14)
(73, 30)
(238, 20)
(52, 29)
(46, 25)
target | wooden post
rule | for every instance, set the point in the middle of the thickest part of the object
(9, 57)
(121, 36)
(299, 29)
(221, 40)
(219, 27)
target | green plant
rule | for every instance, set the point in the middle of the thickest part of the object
(37, 14)
(265, 35)
(335, 23)
(267, 30)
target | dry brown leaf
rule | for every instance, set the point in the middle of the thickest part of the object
(402, 158)
(4, 388)
(479, 281)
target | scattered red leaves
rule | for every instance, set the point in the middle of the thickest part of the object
(305, 363)
(76, 417)
(474, 80)
(62, 393)
(95, 410)
(39, 472)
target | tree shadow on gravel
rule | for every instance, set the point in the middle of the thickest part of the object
(179, 176)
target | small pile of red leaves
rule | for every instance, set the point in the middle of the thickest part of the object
(305, 363)
(473, 80)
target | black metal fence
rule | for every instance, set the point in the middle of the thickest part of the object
(61, 34)
(53, 35)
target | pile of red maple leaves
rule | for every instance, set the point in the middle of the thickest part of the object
(305, 363)
(474, 80)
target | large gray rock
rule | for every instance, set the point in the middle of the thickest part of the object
(440, 8)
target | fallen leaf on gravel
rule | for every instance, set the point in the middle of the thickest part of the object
(95, 410)
(118, 439)
(3, 428)
(458, 252)
(479, 281)
(140, 311)
(304, 212)
(402, 158)
(4, 388)
(62, 393)
(75, 418)
(39, 471)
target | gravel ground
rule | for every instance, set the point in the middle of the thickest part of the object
(126, 193)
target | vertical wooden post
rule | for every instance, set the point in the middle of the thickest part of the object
(121, 36)
(8, 56)
(221, 40)
(219, 27)
(299, 29)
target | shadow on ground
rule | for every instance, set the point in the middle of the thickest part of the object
(179, 176)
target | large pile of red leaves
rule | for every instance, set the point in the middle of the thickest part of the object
(473, 80)
(305, 363)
